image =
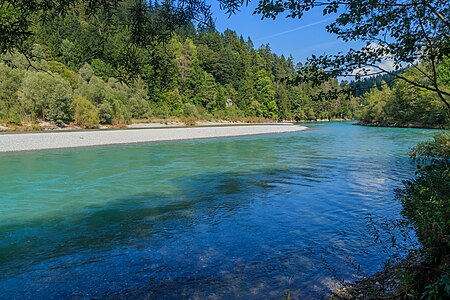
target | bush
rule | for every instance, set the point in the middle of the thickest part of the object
(66, 73)
(85, 113)
(102, 69)
(426, 206)
(121, 115)
(86, 72)
(232, 114)
(105, 113)
(96, 90)
(47, 96)
(139, 108)
(10, 82)
(426, 198)
(189, 110)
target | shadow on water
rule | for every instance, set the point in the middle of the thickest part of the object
(141, 215)
(253, 263)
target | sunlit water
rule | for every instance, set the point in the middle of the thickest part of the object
(247, 217)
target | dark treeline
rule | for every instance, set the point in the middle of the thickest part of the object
(86, 71)
(362, 86)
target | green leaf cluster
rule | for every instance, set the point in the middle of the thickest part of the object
(426, 206)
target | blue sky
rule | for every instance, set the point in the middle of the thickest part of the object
(299, 37)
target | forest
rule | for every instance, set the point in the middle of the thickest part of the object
(86, 71)
(397, 103)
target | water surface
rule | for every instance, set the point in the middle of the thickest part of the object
(245, 217)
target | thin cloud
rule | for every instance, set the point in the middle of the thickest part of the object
(294, 29)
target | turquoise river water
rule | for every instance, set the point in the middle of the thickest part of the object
(245, 217)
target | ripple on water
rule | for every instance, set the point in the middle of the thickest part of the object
(245, 217)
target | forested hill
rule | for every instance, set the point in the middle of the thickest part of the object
(86, 71)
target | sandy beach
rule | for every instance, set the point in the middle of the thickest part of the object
(11, 142)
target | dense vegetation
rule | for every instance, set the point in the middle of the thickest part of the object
(426, 206)
(364, 85)
(79, 71)
(405, 105)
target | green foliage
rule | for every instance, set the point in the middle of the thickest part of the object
(426, 206)
(121, 114)
(403, 31)
(426, 199)
(375, 107)
(360, 87)
(64, 72)
(265, 96)
(46, 96)
(102, 69)
(86, 72)
(106, 112)
(189, 110)
(443, 74)
(85, 112)
(436, 150)
(130, 77)
(406, 105)
(10, 82)
(36, 61)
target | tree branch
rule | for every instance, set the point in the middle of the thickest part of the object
(438, 14)
(417, 85)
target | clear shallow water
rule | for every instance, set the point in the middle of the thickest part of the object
(247, 217)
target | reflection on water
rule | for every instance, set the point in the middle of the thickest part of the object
(245, 217)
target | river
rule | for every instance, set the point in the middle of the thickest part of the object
(245, 217)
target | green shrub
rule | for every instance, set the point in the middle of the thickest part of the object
(121, 114)
(47, 96)
(105, 113)
(86, 72)
(10, 82)
(85, 112)
(426, 198)
(102, 69)
(232, 114)
(139, 108)
(66, 73)
(189, 110)
(426, 206)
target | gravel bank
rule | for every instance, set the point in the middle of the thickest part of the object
(10, 142)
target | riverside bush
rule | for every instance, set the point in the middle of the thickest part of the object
(85, 112)
(10, 82)
(47, 96)
(426, 206)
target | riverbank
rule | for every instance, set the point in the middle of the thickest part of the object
(11, 142)
(398, 125)
(389, 283)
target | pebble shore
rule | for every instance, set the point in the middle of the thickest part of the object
(12, 142)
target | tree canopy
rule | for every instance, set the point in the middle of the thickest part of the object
(408, 33)
(18, 17)
(405, 32)
(88, 74)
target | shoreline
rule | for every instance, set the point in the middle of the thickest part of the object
(416, 126)
(31, 141)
